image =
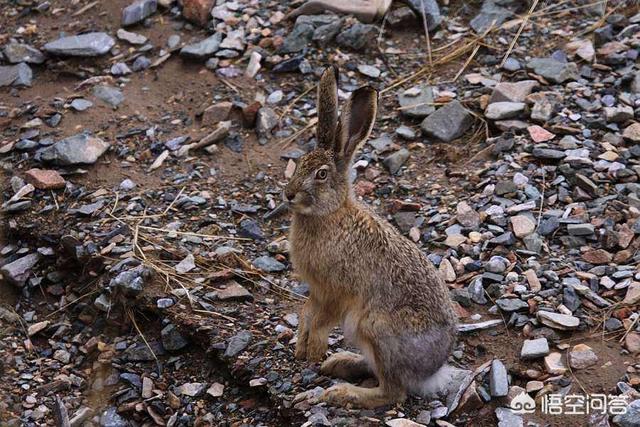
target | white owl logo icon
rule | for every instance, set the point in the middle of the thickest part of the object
(523, 404)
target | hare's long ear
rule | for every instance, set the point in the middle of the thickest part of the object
(327, 108)
(356, 122)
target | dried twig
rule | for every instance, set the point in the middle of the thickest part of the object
(515, 39)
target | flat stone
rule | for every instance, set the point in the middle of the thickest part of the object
(554, 365)
(580, 229)
(504, 110)
(522, 225)
(490, 14)
(110, 95)
(533, 349)
(511, 304)
(394, 161)
(216, 113)
(130, 37)
(268, 264)
(498, 379)
(466, 216)
(632, 133)
(81, 104)
(16, 53)
(234, 292)
(37, 327)
(191, 389)
(186, 265)
(553, 70)
(89, 44)
(631, 418)
(416, 102)
(18, 271)
(448, 122)
(138, 11)
(45, 179)
(238, 343)
(508, 418)
(539, 134)
(632, 342)
(16, 75)
(597, 257)
(548, 154)
(403, 422)
(619, 114)
(75, 150)
(358, 36)
(557, 320)
(172, 339)
(234, 40)
(203, 49)
(582, 356)
(512, 92)
(216, 390)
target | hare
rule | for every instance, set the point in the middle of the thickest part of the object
(363, 275)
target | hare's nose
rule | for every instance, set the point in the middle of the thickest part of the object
(288, 196)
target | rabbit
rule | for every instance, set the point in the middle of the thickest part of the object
(362, 274)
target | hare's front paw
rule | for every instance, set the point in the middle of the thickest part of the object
(301, 349)
(316, 349)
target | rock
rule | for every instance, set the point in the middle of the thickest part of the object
(632, 342)
(18, 271)
(75, 150)
(532, 279)
(539, 134)
(632, 133)
(580, 229)
(131, 281)
(511, 304)
(512, 92)
(16, 53)
(403, 422)
(512, 64)
(427, 9)
(554, 365)
(109, 95)
(581, 48)
(37, 327)
(448, 122)
(548, 154)
(631, 418)
(191, 389)
(80, 104)
(557, 320)
(553, 70)
(619, 114)
(234, 292)
(498, 379)
(582, 356)
(186, 265)
(466, 216)
(299, 37)
(522, 225)
(490, 13)
(133, 38)
(394, 161)
(266, 120)
(138, 11)
(268, 264)
(216, 113)
(504, 110)
(203, 49)
(533, 349)
(508, 418)
(141, 63)
(476, 291)
(358, 36)
(197, 11)
(216, 390)
(597, 257)
(16, 75)
(172, 339)
(89, 44)
(111, 418)
(234, 40)
(369, 71)
(416, 102)
(238, 343)
(45, 179)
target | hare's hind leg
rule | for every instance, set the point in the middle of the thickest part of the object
(345, 393)
(346, 365)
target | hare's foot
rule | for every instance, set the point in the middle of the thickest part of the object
(346, 365)
(317, 346)
(344, 394)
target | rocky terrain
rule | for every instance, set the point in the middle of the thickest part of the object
(145, 277)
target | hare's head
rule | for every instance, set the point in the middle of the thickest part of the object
(320, 184)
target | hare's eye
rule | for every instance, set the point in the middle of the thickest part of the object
(321, 174)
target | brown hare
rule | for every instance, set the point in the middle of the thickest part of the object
(363, 275)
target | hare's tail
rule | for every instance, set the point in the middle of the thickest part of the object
(437, 384)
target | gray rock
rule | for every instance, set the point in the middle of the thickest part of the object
(141, 63)
(268, 264)
(138, 11)
(448, 122)
(21, 52)
(103, 303)
(553, 70)
(548, 154)
(511, 304)
(394, 162)
(75, 150)
(298, 38)
(191, 389)
(508, 418)
(619, 114)
(111, 418)
(131, 281)
(203, 49)
(498, 379)
(489, 13)
(631, 418)
(504, 110)
(109, 95)
(325, 34)
(512, 92)
(581, 229)
(133, 38)
(358, 36)
(476, 291)
(416, 102)
(497, 264)
(266, 120)
(428, 9)
(511, 64)
(406, 132)
(234, 40)
(18, 271)
(16, 75)
(557, 320)
(533, 349)
(120, 69)
(238, 343)
(90, 44)
(172, 339)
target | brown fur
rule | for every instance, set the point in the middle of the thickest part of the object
(362, 273)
